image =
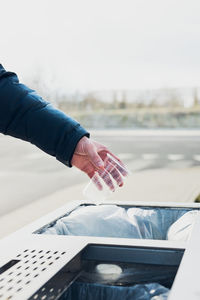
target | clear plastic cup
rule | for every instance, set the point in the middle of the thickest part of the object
(105, 182)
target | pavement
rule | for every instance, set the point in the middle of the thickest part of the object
(158, 185)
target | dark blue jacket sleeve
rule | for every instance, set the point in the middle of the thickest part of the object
(25, 115)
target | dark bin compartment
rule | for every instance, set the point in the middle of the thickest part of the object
(88, 291)
(138, 272)
(159, 223)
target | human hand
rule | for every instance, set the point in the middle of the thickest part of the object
(91, 158)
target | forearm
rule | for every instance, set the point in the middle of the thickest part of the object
(25, 115)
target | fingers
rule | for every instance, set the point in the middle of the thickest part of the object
(106, 156)
(109, 173)
(113, 169)
(115, 174)
(104, 174)
(94, 157)
(99, 164)
(96, 181)
(107, 176)
(114, 160)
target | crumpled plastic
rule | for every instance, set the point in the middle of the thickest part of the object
(116, 221)
(161, 296)
(182, 228)
(156, 221)
(102, 221)
(91, 291)
(126, 274)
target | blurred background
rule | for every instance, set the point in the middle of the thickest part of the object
(134, 63)
(129, 72)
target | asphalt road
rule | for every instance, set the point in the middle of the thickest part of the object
(28, 174)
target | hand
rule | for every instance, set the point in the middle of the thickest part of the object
(91, 158)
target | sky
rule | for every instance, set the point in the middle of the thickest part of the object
(102, 44)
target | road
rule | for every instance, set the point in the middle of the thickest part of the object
(28, 174)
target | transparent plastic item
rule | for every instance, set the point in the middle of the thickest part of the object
(102, 185)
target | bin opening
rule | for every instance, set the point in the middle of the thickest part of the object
(160, 223)
(136, 272)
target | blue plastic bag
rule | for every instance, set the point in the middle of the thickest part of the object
(88, 291)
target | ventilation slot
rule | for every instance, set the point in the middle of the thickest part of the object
(19, 273)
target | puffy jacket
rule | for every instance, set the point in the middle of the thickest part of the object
(25, 115)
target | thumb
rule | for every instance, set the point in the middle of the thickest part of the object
(95, 158)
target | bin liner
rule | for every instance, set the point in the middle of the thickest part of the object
(157, 218)
(91, 291)
(102, 221)
(182, 228)
(115, 221)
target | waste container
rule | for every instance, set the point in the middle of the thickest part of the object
(123, 251)
(101, 272)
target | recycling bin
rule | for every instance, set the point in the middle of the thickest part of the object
(114, 272)
(114, 250)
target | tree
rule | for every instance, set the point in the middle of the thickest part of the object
(123, 102)
(195, 98)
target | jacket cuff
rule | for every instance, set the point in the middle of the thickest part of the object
(69, 145)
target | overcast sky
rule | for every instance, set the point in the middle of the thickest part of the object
(102, 44)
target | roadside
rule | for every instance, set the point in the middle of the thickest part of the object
(140, 118)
